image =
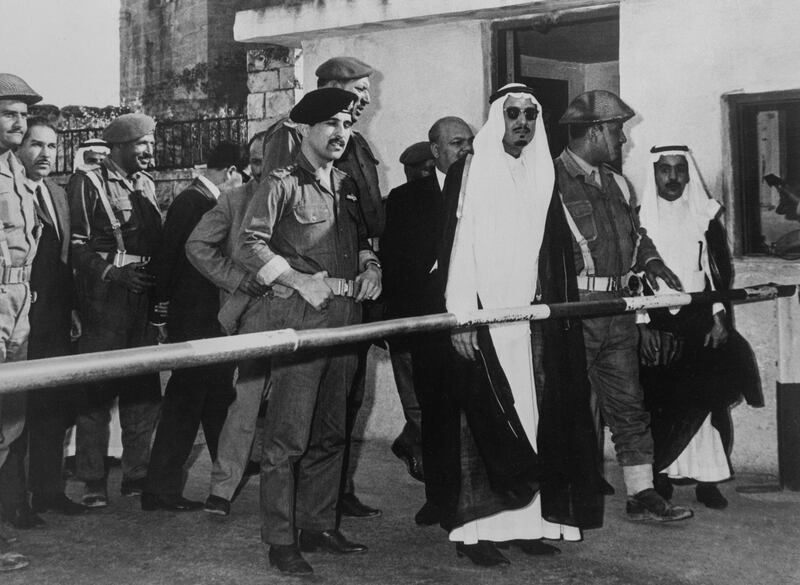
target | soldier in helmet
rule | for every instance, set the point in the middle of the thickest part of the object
(609, 244)
(19, 235)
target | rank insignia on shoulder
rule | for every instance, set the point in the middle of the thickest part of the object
(352, 197)
(282, 172)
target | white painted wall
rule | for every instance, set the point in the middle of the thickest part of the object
(677, 59)
(422, 74)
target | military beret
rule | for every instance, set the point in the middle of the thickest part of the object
(343, 69)
(417, 153)
(128, 127)
(321, 104)
(15, 88)
(594, 107)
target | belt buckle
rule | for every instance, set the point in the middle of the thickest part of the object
(344, 288)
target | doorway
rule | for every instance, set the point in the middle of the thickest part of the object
(560, 55)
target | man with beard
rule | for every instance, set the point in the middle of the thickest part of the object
(116, 229)
(526, 444)
(415, 217)
(19, 233)
(608, 245)
(54, 323)
(281, 145)
(694, 364)
(304, 236)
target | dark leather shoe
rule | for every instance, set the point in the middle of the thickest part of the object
(412, 459)
(288, 560)
(428, 515)
(709, 494)
(172, 503)
(132, 487)
(350, 505)
(57, 503)
(331, 541)
(483, 553)
(217, 505)
(535, 547)
(24, 518)
(649, 506)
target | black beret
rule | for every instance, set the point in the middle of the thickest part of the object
(417, 153)
(321, 104)
(343, 69)
(13, 87)
(128, 127)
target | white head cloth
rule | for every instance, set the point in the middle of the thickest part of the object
(678, 227)
(501, 224)
(91, 145)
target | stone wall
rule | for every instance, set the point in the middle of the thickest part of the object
(179, 59)
(274, 80)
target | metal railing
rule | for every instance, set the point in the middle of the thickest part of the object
(63, 371)
(184, 144)
(179, 144)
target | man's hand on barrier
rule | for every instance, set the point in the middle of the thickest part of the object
(132, 277)
(161, 309)
(251, 287)
(718, 334)
(368, 284)
(465, 343)
(657, 269)
(314, 290)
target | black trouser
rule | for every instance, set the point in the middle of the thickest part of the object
(431, 358)
(193, 396)
(51, 412)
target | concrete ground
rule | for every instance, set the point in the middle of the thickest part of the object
(755, 541)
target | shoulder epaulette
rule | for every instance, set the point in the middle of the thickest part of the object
(283, 172)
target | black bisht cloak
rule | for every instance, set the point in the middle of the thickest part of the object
(499, 468)
(681, 395)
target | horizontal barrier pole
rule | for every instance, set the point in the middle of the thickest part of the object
(91, 367)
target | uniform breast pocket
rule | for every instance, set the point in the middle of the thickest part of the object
(583, 215)
(313, 221)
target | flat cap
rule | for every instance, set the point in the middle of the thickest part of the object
(321, 104)
(417, 153)
(13, 87)
(128, 127)
(594, 107)
(343, 69)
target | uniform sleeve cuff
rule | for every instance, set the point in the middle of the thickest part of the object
(272, 270)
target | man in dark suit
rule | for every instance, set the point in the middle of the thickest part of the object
(414, 225)
(54, 322)
(190, 303)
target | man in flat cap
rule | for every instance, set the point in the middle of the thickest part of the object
(417, 161)
(19, 235)
(280, 147)
(116, 229)
(415, 215)
(304, 235)
(526, 469)
(609, 244)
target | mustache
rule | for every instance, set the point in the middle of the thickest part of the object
(337, 141)
(522, 128)
(673, 185)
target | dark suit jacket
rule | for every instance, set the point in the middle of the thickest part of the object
(193, 300)
(51, 280)
(414, 224)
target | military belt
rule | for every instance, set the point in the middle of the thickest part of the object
(15, 274)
